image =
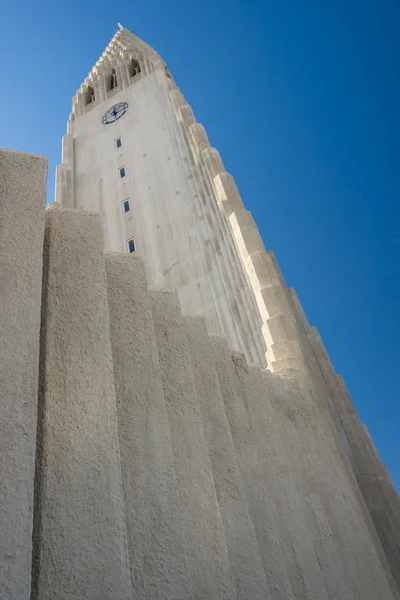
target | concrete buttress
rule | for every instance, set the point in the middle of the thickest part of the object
(140, 457)
(80, 541)
(155, 536)
(22, 209)
(241, 540)
(207, 553)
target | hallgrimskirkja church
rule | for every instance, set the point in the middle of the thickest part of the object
(171, 426)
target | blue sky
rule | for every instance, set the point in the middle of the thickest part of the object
(302, 100)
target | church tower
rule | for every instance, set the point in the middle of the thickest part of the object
(134, 152)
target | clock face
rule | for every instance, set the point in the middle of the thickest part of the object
(114, 113)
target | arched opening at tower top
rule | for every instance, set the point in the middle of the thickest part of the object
(112, 81)
(89, 95)
(133, 67)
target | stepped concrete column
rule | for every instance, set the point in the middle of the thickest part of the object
(244, 554)
(95, 85)
(22, 209)
(102, 86)
(239, 320)
(64, 173)
(148, 473)
(280, 329)
(80, 103)
(379, 501)
(206, 550)
(186, 116)
(260, 486)
(74, 106)
(177, 98)
(122, 75)
(80, 546)
(61, 184)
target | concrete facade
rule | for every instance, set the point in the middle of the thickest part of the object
(80, 539)
(171, 425)
(166, 465)
(22, 201)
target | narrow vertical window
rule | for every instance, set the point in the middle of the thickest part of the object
(118, 143)
(131, 245)
(122, 172)
(126, 206)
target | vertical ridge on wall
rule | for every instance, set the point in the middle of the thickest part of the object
(206, 549)
(284, 581)
(244, 555)
(325, 483)
(198, 259)
(155, 538)
(81, 549)
(168, 467)
(380, 501)
(219, 235)
(237, 316)
(301, 511)
(22, 209)
(211, 249)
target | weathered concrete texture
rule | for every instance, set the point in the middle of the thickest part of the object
(202, 477)
(297, 486)
(22, 209)
(206, 549)
(155, 536)
(379, 500)
(328, 493)
(243, 550)
(303, 524)
(257, 483)
(80, 533)
(379, 493)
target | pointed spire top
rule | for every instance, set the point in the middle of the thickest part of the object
(123, 47)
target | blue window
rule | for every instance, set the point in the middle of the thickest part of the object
(122, 172)
(118, 142)
(131, 245)
(126, 206)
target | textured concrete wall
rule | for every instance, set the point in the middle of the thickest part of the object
(22, 208)
(244, 554)
(205, 543)
(148, 472)
(380, 502)
(167, 467)
(80, 541)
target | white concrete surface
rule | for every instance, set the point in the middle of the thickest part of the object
(206, 549)
(155, 537)
(244, 554)
(201, 477)
(22, 209)
(80, 540)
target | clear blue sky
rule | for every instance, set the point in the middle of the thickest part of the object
(302, 100)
